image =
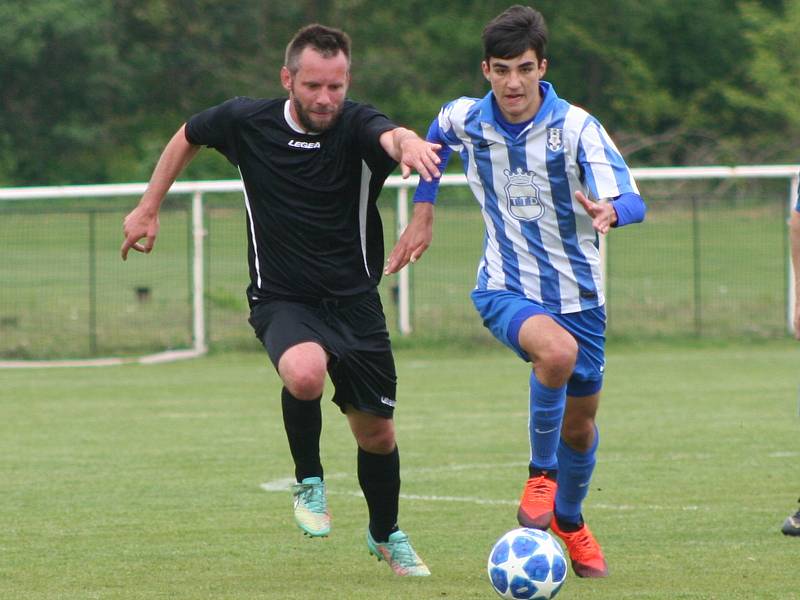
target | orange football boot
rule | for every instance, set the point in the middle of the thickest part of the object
(536, 505)
(584, 551)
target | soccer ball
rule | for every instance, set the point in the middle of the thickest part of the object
(527, 563)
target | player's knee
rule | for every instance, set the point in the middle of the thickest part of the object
(378, 445)
(303, 368)
(563, 358)
(578, 434)
(557, 358)
(304, 384)
(376, 441)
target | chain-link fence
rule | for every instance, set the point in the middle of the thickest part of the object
(710, 261)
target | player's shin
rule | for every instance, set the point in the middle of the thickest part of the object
(574, 474)
(379, 478)
(302, 420)
(544, 424)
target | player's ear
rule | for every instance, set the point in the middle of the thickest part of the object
(286, 78)
(485, 68)
(542, 67)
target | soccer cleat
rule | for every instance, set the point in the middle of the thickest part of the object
(536, 505)
(311, 508)
(791, 526)
(584, 551)
(398, 554)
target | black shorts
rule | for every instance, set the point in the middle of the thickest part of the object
(353, 333)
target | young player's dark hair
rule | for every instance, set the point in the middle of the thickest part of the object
(325, 40)
(513, 32)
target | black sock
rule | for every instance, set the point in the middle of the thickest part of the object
(568, 527)
(302, 420)
(379, 477)
(549, 473)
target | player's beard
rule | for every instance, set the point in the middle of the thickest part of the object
(309, 123)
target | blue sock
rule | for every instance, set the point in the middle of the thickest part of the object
(574, 474)
(544, 423)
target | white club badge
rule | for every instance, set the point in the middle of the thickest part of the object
(523, 195)
(555, 138)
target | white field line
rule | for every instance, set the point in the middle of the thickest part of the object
(284, 485)
(150, 359)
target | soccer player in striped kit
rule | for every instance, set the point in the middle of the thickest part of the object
(548, 179)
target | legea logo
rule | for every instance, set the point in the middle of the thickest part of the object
(304, 145)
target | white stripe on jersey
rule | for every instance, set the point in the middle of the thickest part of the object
(528, 270)
(363, 201)
(493, 267)
(601, 169)
(536, 154)
(591, 135)
(252, 230)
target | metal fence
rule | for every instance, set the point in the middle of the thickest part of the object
(710, 261)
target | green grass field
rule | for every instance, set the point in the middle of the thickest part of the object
(145, 481)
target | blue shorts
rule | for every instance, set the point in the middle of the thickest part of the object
(504, 312)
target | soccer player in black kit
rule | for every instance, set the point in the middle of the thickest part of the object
(313, 167)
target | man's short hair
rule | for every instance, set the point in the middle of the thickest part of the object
(325, 40)
(513, 32)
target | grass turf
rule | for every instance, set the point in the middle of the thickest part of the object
(145, 481)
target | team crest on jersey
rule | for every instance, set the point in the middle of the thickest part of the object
(523, 195)
(555, 138)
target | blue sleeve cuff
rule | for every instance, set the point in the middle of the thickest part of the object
(427, 190)
(630, 208)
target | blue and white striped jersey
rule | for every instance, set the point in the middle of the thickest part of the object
(539, 240)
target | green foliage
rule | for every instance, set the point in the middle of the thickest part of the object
(54, 98)
(92, 89)
(766, 96)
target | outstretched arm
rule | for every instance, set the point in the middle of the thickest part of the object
(415, 239)
(412, 152)
(142, 221)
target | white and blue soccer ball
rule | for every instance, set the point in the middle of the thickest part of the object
(527, 563)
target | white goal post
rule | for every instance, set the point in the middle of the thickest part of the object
(197, 190)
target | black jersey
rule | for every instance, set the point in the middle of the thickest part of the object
(313, 227)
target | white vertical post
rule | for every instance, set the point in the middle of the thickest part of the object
(403, 283)
(198, 280)
(794, 182)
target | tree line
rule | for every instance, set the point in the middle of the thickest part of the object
(91, 90)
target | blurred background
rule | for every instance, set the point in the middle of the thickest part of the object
(91, 91)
